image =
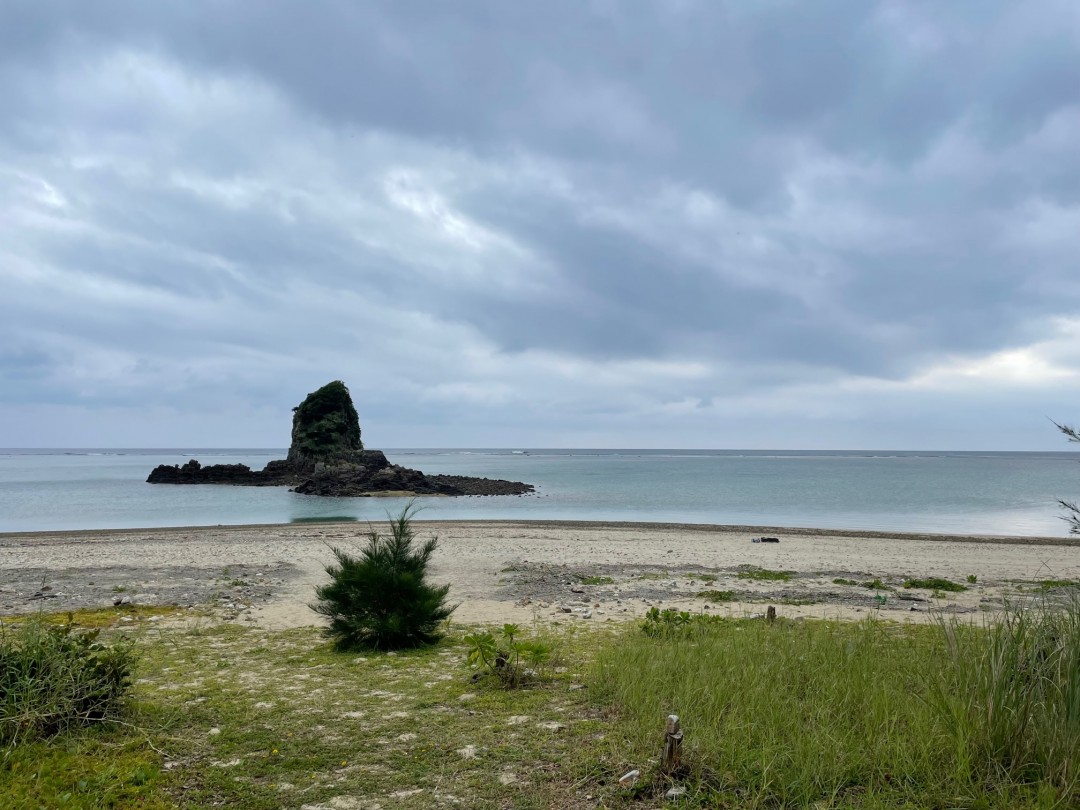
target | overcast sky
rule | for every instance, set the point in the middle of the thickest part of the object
(558, 224)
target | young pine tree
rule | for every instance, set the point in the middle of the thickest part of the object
(380, 600)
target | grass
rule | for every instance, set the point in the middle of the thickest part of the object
(935, 584)
(793, 714)
(299, 724)
(765, 574)
(707, 579)
(596, 580)
(717, 596)
(868, 715)
(1054, 584)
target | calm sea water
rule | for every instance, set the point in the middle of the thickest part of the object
(1000, 493)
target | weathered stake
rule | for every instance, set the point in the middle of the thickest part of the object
(672, 757)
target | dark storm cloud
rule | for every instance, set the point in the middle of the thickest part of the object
(575, 208)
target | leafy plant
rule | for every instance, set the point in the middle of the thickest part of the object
(513, 661)
(972, 579)
(56, 676)
(381, 600)
(670, 622)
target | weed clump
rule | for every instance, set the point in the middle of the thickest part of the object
(717, 596)
(53, 677)
(513, 661)
(596, 580)
(381, 600)
(669, 622)
(935, 584)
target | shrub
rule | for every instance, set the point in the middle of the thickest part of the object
(514, 662)
(380, 600)
(53, 677)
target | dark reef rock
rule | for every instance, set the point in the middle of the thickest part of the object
(326, 457)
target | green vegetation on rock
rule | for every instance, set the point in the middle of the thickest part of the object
(325, 425)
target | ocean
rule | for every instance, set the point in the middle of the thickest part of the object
(950, 492)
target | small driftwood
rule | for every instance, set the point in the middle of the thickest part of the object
(673, 736)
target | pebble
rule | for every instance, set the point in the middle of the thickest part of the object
(214, 731)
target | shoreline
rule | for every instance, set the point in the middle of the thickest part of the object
(533, 570)
(610, 525)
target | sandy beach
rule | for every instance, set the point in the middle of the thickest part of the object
(530, 570)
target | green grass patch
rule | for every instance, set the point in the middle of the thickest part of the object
(935, 584)
(257, 719)
(596, 580)
(95, 617)
(765, 574)
(842, 581)
(717, 596)
(651, 575)
(1054, 584)
(867, 715)
(876, 585)
(705, 578)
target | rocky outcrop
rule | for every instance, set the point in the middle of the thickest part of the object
(326, 457)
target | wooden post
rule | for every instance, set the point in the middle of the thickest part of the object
(672, 757)
(770, 614)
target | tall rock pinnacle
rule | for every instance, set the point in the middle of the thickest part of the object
(325, 427)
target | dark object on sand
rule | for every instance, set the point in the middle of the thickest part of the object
(326, 457)
(765, 540)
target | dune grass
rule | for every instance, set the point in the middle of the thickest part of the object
(868, 715)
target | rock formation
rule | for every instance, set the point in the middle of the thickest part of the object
(327, 457)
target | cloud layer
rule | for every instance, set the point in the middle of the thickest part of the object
(677, 224)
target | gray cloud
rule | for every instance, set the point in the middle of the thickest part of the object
(666, 225)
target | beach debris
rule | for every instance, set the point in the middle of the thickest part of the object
(629, 777)
(671, 758)
(765, 540)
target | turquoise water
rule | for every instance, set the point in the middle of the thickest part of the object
(999, 493)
